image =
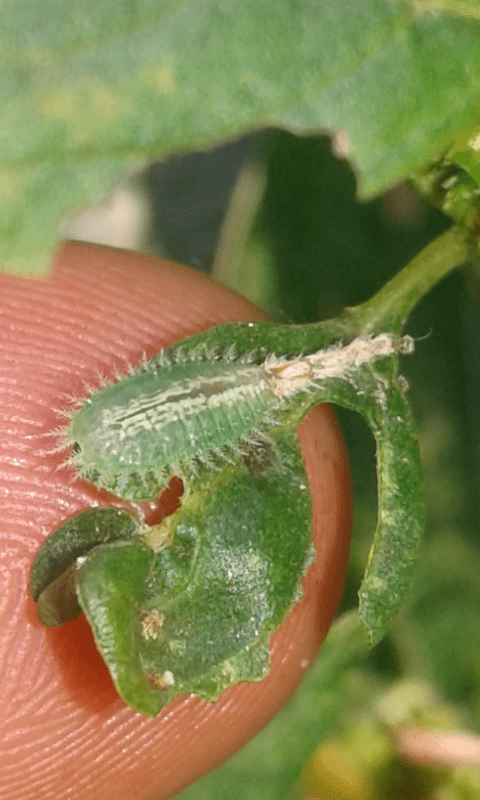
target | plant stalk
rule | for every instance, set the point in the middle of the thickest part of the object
(389, 308)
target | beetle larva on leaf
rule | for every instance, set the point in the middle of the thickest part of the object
(130, 436)
(189, 605)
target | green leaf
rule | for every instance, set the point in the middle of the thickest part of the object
(377, 392)
(265, 769)
(110, 586)
(373, 389)
(196, 614)
(51, 583)
(400, 525)
(87, 96)
(226, 567)
(203, 591)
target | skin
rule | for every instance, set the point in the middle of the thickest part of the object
(64, 733)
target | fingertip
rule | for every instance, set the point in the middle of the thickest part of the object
(181, 300)
(99, 310)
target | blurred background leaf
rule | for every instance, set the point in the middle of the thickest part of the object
(90, 93)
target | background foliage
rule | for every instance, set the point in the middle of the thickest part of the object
(92, 93)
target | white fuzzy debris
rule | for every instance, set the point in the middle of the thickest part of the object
(164, 681)
(151, 623)
(160, 682)
(287, 377)
(168, 678)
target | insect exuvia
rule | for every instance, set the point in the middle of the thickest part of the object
(131, 435)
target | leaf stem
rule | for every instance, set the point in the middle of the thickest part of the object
(389, 308)
(345, 643)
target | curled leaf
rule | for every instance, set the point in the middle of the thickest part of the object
(196, 614)
(52, 584)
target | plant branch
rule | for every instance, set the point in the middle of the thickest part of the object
(389, 308)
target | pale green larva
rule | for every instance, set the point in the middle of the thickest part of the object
(130, 436)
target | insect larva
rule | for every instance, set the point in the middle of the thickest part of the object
(130, 436)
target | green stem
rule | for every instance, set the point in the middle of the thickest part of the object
(389, 308)
(345, 643)
(385, 312)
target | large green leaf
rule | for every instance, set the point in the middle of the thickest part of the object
(90, 94)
